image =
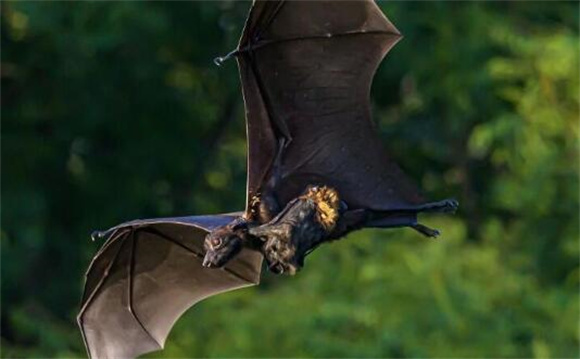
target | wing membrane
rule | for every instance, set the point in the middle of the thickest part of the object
(307, 68)
(147, 276)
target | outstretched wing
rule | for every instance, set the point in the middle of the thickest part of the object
(306, 70)
(146, 275)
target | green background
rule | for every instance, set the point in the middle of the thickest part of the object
(114, 110)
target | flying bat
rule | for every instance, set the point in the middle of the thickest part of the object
(316, 171)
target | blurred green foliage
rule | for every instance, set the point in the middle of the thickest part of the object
(113, 111)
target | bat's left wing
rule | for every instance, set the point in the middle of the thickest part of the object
(146, 275)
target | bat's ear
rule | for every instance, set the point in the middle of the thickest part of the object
(240, 223)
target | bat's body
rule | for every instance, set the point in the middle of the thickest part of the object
(315, 217)
(305, 223)
(317, 170)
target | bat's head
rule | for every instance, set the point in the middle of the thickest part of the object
(223, 243)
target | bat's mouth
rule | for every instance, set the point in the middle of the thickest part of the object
(211, 261)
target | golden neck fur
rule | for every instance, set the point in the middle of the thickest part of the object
(327, 205)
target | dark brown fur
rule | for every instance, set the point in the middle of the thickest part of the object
(305, 223)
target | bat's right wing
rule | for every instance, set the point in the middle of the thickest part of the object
(146, 275)
(306, 70)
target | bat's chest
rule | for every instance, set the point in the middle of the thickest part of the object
(303, 225)
(295, 235)
(306, 229)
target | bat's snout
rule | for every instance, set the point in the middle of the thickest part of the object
(207, 261)
(221, 248)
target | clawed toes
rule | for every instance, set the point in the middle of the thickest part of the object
(454, 203)
(451, 205)
(426, 231)
(96, 235)
(280, 268)
(432, 233)
(276, 269)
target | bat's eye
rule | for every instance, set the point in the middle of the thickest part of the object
(216, 242)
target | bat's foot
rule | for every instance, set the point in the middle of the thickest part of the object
(279, 248)
(426, 231)
(280, 257)
(450, 205)
(282, 268)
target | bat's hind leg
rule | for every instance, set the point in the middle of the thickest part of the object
(444, 206)
(426, 231)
